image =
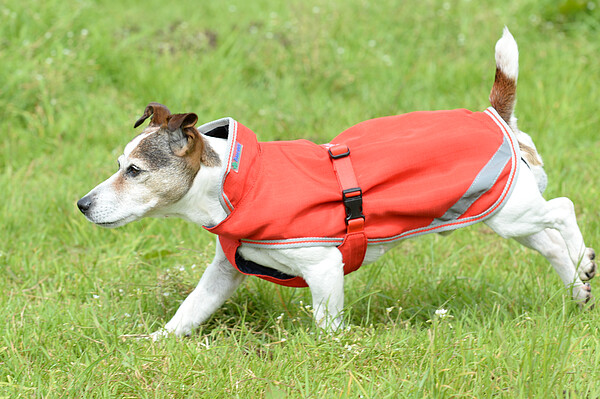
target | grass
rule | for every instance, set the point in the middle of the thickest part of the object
(76, 75)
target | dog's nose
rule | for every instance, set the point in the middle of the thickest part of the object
(84, 204)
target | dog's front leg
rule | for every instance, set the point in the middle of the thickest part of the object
(326, 283)
(320, 267)
(219, 281)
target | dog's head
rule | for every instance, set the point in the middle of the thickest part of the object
(157, 169)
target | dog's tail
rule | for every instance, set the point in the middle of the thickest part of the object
(504, 97)
(504, 91)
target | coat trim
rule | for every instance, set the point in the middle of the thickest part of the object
(231, 137)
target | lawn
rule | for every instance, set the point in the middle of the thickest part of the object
(469, 315)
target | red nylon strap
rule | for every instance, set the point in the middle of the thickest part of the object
(354, 246)
(343, 166)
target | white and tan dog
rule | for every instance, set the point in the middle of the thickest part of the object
(172, 169)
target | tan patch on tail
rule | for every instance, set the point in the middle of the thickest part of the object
(503, 95)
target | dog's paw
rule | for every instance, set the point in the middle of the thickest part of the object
(582, 294)
(587, 268)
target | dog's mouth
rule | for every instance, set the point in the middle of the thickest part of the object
(115, 223)
(109, 225)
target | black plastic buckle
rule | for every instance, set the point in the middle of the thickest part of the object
(353, 203)
(337, 156)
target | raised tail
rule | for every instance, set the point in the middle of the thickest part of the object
(504, 91)
(504, 97)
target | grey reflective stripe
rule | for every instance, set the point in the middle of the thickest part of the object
(294, 242)
(484, 181)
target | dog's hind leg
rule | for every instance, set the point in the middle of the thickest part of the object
(552, 246)
(562, 218)
(530, 219)
(219, 281)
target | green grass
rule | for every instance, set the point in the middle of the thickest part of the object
(76, 75)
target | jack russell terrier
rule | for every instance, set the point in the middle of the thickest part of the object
(301, 214)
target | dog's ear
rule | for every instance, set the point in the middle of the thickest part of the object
(181, 121)
(184, 139)
(159, 114)
(183, 135)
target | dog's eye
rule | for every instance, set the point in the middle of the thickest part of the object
(133, 171)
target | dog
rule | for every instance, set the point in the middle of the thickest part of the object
(203, 175)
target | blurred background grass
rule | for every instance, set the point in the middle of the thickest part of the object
(76, 75)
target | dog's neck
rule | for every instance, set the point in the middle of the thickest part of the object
(201, 205)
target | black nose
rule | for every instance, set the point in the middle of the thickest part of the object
(84, 204)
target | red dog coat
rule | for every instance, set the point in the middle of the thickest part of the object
(419, 173)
